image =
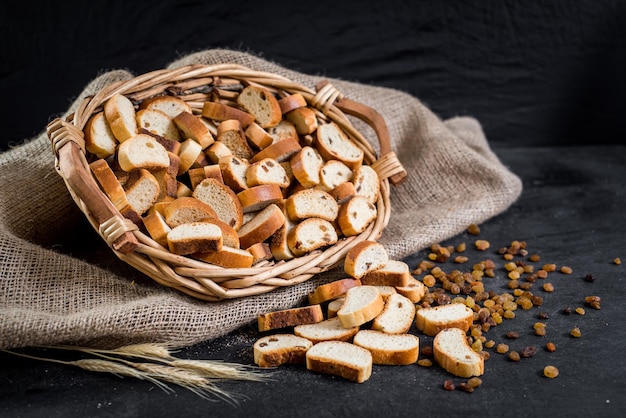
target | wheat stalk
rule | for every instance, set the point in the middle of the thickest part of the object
(161, 367)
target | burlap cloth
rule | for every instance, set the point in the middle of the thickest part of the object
(59, 284)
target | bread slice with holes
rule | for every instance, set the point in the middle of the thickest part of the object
(394, 273)
(367, 183)
(306, 165)
(262, 104)
(327, 330)
(157, 122)
(362, 304)
(292, 317)
(311, 234)
(365, 257)
(341, 359)
(309, 203)
(355, 215)
(99, 138)
(397, 316)
(389, 349)
(279, 349)
(267, 171)
(433, 320)
(333, 144)
(120, 114)
(222, 199)
(258, 197)
(142, 151)
(194, 237)
(333, 173)
(284, 130)
(234, 172)
(452, 351)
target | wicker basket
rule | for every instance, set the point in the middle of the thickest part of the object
(195, 84)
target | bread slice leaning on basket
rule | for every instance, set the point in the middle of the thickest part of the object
(212, 126)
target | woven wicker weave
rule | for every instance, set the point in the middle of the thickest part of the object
(194, 84)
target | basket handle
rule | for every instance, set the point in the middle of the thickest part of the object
(388, 165)
(68, 145)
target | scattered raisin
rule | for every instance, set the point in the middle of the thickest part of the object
(551, 347)
(465, 387)
(528, 351)
(590, 278)
(550, 372)
(449, 385)
(575, 332)
(473, 229)
(512, 335)
(514, 356)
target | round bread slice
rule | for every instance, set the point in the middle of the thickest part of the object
(120, 114)
(328, 330)
(367, 183)
(355, 215)
(222, 199)
(275, 350)
(433, 320)
(362, 304)
(340, 358)
(306, 165)
(170, 105)
(334, 144)
(279, 151)
(311, 203)
(364, 257)
(311, 234)
(192, 127)
(452, 352)
(261, 104)
(414, 290)
(333, 173)
(394, 273)
(230, 132)
(264, 224)
(142, 151)
(187, 209)
(194, 237)
(99, 138)
(157, 122)
(397, 316)
(389, 349)
(267, 171)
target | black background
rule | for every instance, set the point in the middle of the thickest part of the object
(533, 72)
(546, 80)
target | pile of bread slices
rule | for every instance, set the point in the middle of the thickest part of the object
(368, 317)
(252, 176)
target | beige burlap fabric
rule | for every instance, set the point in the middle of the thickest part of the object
(59, 284)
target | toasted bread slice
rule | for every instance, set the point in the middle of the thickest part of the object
(356, 215)
(327, 330)
(389, 349)
(394, 273)
(310, 314)
(454, 315)
(365, 257)
(262, 104)
(275, 350)
(362, 304)
(333, 144)
(397, 316)
(99, 138)
(340, 358)
(194, 237)
(453, 352)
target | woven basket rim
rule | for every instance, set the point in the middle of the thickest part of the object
(193, 277)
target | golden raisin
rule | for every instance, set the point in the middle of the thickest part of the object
(566, 270)
(473, 229)
(575, 332)
(550, 372)
(474, 382)
(549, 267)
(617, 261)
(461, 247)
(551, 347)
(460, 259)
(425, 362)
(502, 348)
(548, 287)
(580, 311)
(482, 244)
(514, 356)
(534, 258)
